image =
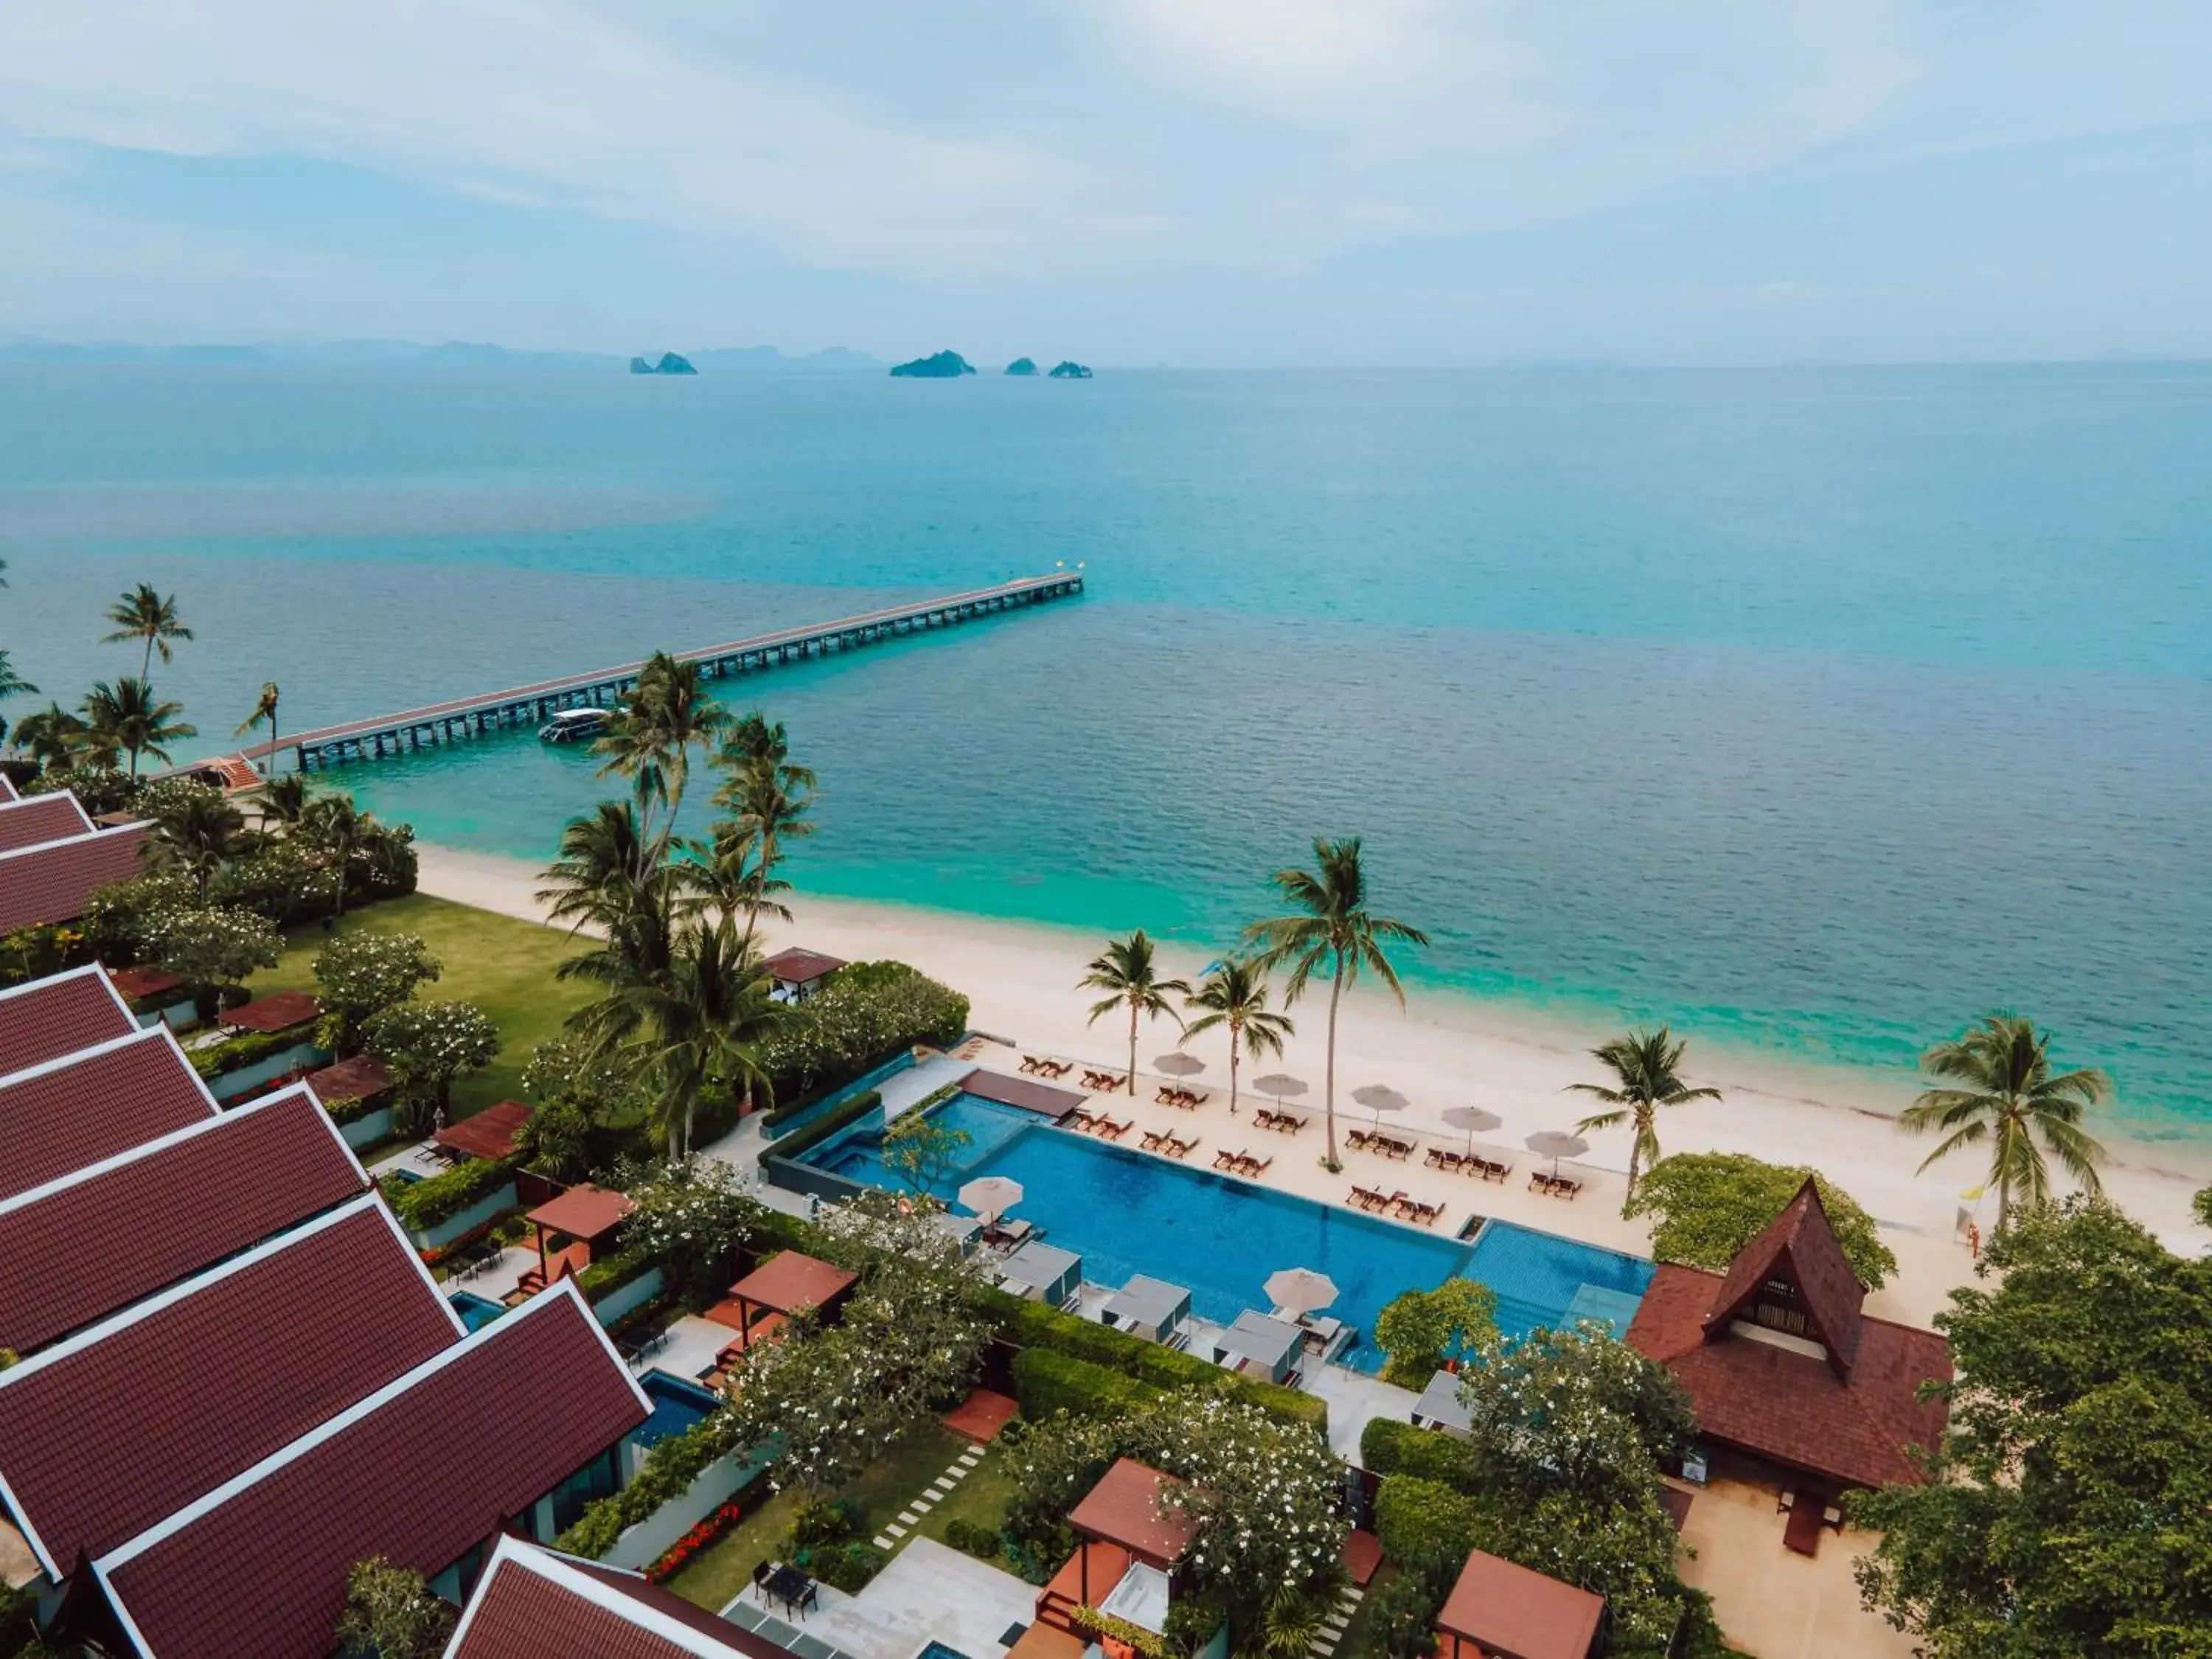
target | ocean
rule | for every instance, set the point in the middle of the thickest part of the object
(1817, 711)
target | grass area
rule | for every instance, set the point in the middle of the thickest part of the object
(502, 965)
(980, 1500)
(1361, 1640)
(888, 1485)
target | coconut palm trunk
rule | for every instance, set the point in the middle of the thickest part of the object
(1329, 1065)
(1133, 1007)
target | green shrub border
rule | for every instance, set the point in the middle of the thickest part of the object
(353, 1109)
(423, 1204)
(803, 1140)
(1388, 1447)
(1045, 1381)
(235, 1053)
(602, 1278)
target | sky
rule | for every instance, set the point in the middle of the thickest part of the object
(1237, 183)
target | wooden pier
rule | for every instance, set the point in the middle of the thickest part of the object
(532, 705)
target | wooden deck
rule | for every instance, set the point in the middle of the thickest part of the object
(465, 717)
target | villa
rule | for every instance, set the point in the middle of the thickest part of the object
(64, 1113)
(795, 975)
(533, 1603)
(53, 856)
(50, 1017)
(1128, 1546)
(1498, 1610)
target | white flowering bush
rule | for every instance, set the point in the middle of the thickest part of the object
(866, 1012)
(360, 975)
(425, 1045)
(690, 1216)
(212, 944)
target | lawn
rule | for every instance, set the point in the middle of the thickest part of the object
(503, 966)
(1361, 1640)
(891, 1483)
(980, 1500)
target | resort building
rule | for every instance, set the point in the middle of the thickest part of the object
(53, 856)
(65, 1113)
(795, 975)
(1129, 1546)
(50, 1017)
(1498, 1610)
(533, 1603)
(1786, 1369)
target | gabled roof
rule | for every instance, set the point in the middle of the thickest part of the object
(487, 1134)
(1517, 1612)
(583, 1212)
(85, 1106)
(791, 1281)
(1124, 1508)
(1766, 1399)
(40, 819)
(797, 967)
(420, 1472)
(51, 882)
(535, 1603)
(361, 1078)
(8, 791)
(131, 983)
(58, 1015)
(280, 1011)
(1798, 1246)
(108, 1433)
(77, 1248)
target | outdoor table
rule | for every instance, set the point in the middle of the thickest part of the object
(789, 1585)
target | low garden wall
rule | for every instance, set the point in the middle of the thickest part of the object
(628, 1298)
(368, 1128)
(303, 1056)
(642, 1545)
(484, 1210)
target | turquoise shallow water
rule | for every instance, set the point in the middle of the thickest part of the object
(1815, 710)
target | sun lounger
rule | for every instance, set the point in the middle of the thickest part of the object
(1114, 1131)
(1031, 1063)
(1080, 1120)
(1225, 1159)
(1400, 1150)
(1153, 1140)
(1357, 1139)
(1249, 1165)
(1180, 1148)
(1193, 1101)
(1365, 1199)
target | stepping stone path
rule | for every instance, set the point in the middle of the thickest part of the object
(1332, 1625)
(940, 1489)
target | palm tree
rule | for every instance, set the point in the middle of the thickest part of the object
(753, 737)
(11, 683)
(650, 736)
(339, 829)
(143, 614)
(1234, 994)
(264, 713)
(284, 800)
(53, 736)
(603, 874)
(127, 715)
(2009, 1096)
(736, 876)
(200, 830)
(1333, 934)
(1644, 1068)
(1127, 971)
(768, 800)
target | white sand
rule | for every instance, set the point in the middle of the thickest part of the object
(1444, 1051)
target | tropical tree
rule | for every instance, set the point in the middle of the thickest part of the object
(264, 713)
(1127, 972)
(1646, 1076)
(390, 1613)
(767, 799)
(358, 976)
(425, 1045)
(128, 716)
(214, 949)
(1234, 994)
(2006, 1094)
(752, 736)
(53, 736)
(143, 614)
(923, 1152)
(344, 834)
(1708, 1206)
(1422, 1329)
(736, 878)
(1333, 933)
(200, 829)
(605, 874)
(650, 736)
(283, 800)
(12, 684)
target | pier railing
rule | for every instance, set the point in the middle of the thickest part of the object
(466, 717)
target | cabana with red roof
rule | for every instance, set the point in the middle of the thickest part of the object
(798, 975)
(1498, 1610)
(488, 1134)
(534, 1603)
(788, 1283)
(1783, 1365)
(280, 1011)
(1129, 1542)
(584, 1221)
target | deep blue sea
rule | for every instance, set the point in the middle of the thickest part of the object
(1818, 710)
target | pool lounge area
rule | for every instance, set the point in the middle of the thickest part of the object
(1129, 1214)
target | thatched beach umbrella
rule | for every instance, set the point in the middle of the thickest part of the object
(1475, 1121)
(991, 1196)
(1178, 1064)
(1301, 1290)
(1555, 1145)
(1379, 1098)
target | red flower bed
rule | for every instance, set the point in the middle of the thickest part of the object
(681, 1552)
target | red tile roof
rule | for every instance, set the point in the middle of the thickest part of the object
(93, 1443)
(791, 1281)
(193, 1197)
(488, 1134)
(8, 791)
(132, 983)
(361, 1078)
(50, 883)
(40, 819)
(1511, 1612)
(280, 1011)
(50, 1017)
(1791, 1408)
(532, 1603)
(1799, 1246)
(68, 1113)
(419, 1473)
(1124, 1508)
(583, 1212)
(798, 967)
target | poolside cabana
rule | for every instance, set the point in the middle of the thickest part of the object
(490, 1134)
(1152, 1309)
(787, 1284)
(361, 1078)
(1259, 1346)
(1439, 1406)
(796, 974)
(583, 1220)
(280, 1011)
(1501, 1611)
(1127, 1545)
(1038, 1272)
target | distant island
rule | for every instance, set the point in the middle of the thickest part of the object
(1068, 370)
(944, 366)
(670, 363)
(1022, 365)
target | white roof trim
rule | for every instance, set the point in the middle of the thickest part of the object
(156, 1033)
(95, 834)
(558, 1569)
(30, 987)
(125, 1553)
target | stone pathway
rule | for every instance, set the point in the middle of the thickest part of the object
(940, 1489)
(1333, 1627)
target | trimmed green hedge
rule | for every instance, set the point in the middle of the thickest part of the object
(666, 1474)
(424, 1204)
(1388, 1447)
(235, 1053)
(822, 1128)
(1046, 1381)
(602, 1278)
(343, 1112)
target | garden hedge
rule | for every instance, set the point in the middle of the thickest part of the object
(1388, 1447)
(424, 1204)
(235, 1053)
(666, 1474)
(1046, 1381)
(801, 1140)
(604, 1278)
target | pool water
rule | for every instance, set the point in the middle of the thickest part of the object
(677, 1404)
(1126, 1213)
(475, 1311)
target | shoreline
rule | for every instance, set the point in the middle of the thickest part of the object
(1446, 1049)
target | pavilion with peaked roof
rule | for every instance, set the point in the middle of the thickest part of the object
(1782, 1362)
(488, 1134)
(1129, 1542)
(538, 1603)
(787, 1284)
(797, 974)
(572, 1230)
(1500, 1610)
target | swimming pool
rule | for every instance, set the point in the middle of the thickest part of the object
(677, 1404)
(475, 1311)
(1126, 1213)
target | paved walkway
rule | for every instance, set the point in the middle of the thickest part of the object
(940, 1490)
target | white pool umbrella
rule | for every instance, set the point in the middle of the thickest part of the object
(1301, 1290)
(1379, 1098)
(1281, 1085)
(991, 1196)
(1474, 1120)
(1555, 1145)
(1178, 1064)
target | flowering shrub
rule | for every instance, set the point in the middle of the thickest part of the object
(361, 975)
(689, 1217)
(425, 1045)
(679, 1553)
(864, 1014)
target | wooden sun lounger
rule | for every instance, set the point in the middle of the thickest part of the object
(1225, 1159)
(1357, 1139)
(1114, 1131)
(1364, 1198)
(1249, 1165)
(1153, 1140)
(1180, 1148)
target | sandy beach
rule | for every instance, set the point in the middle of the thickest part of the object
(1444, 1051)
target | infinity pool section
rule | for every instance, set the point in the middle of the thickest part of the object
(1126, 1213)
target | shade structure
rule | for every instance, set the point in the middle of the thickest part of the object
(1301, 1290)
(1379, 1098)
(991, 1196)
(1178, 1064)
(1474, 1120)
(1280, 1085)
(1556, 1144)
